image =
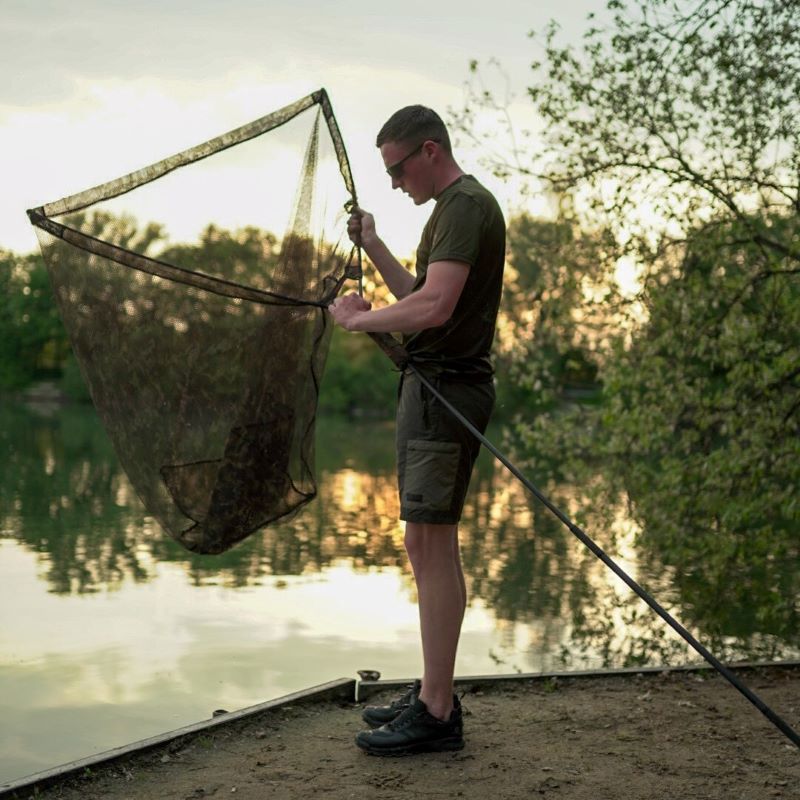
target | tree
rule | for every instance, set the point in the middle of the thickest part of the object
(32, 339)
(555, 307)
(677, 110)
(676, 127)
(705, 403)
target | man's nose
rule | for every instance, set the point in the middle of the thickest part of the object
(396, 182)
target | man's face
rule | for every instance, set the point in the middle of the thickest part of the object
(410, 169)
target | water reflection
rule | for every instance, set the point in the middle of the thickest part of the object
(64, 497)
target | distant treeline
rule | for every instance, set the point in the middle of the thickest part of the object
(358, 378)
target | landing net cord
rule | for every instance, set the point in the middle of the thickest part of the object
(776, 720)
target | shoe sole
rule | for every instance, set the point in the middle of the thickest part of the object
(435, 746)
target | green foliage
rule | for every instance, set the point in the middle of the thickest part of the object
(551, 315)
(72, 383)
(357, 377)
(243, 256)
(32, 340)
(675, 127)
(706, 404)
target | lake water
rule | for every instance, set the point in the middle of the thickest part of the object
(111, 632)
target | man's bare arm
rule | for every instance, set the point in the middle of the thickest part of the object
(429, 307)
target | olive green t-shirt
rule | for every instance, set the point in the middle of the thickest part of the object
(466, 225)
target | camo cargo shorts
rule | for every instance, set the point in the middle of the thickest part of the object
(435, 452)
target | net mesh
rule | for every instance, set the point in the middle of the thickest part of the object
(202, 335)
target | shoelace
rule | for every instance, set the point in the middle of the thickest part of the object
(402, 721)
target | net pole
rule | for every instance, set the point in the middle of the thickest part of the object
(771, 715)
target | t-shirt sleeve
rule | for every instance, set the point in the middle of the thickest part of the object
(457, 233)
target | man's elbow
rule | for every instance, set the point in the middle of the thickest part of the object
(439, 314)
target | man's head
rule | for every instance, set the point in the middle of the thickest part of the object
(416, 150)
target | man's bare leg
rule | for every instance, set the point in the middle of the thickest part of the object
(441, 590)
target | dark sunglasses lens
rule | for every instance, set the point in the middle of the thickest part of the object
(396, 170)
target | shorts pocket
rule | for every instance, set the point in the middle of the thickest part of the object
(431, 471)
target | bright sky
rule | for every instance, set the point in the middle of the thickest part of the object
(92, 89)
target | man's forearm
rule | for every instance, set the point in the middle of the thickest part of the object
(397, 278)
(415, 312)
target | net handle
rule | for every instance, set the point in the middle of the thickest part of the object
(395, 351)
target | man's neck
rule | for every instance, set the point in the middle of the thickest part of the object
(449, 174)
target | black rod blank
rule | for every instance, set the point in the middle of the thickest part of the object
(774, 718)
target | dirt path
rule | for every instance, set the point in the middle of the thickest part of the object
(654, 737)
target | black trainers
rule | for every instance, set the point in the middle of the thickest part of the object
(375, 716)
(415, 730)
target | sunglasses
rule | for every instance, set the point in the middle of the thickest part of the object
(396, 170)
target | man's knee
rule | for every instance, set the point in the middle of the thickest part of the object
(427, 541)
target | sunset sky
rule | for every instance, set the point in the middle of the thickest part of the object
(93, 89)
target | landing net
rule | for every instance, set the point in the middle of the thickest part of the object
(194, 293)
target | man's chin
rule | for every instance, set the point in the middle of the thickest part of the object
(417, 199)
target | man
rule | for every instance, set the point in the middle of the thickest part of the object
(447, 317)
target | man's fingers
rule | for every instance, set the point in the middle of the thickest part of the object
(360, 223)
(354, 228)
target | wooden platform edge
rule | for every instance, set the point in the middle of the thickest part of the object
(339, 689)
(366, 689)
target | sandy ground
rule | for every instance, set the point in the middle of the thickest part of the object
(653, 737)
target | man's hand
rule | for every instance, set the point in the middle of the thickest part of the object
(345, 310)
(361, 228)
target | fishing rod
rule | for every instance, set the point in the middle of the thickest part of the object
(396, 352)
